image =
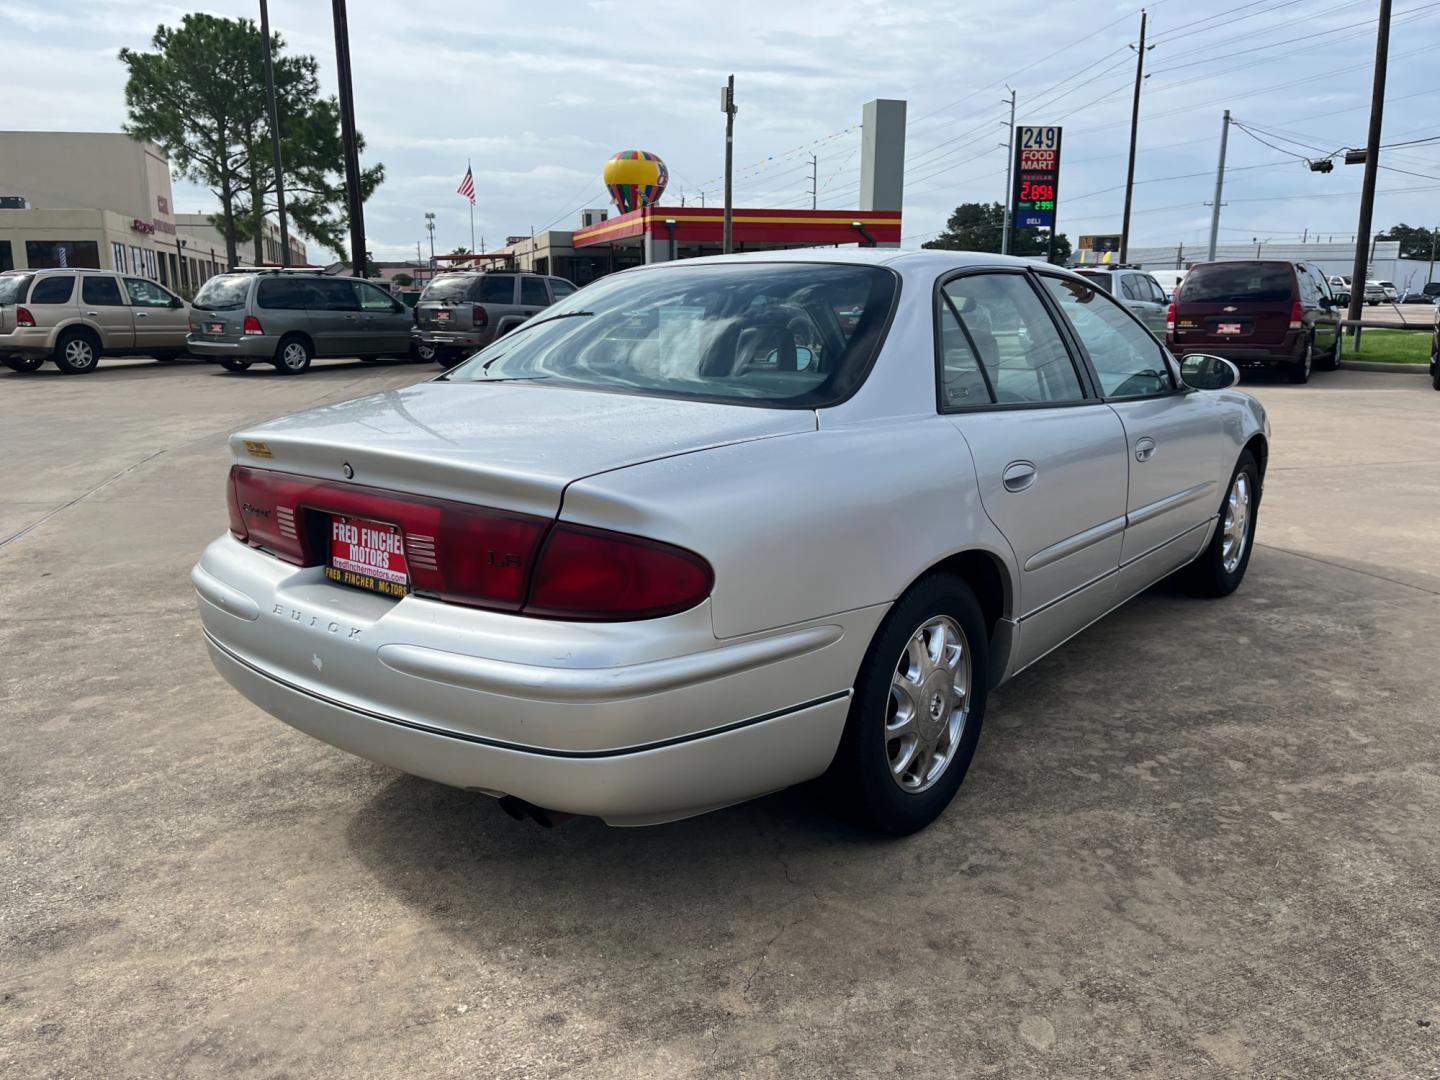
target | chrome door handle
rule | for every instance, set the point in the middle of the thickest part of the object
(1144, 448)
(95, 313)
(1018, 475)
(142, 314)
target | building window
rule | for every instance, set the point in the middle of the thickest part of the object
(49, 254)
(149, 263)
(137, 261)
(7, 260)
(117, 252)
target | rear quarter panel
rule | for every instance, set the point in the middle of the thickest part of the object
(803, 526)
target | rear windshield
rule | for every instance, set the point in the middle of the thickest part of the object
(1238, 283)
(783, 335)
(1100, 280)
(478, 288)
(224, 293)
(12, 287)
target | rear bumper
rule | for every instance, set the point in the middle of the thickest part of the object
(634, 722)
(28, 341)
(255, 347)
(1283, 352)
(455, 339)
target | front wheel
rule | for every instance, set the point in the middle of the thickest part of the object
(423, 352)
(20, 363)
(915, 718)
(229, 363)
(1221, 567)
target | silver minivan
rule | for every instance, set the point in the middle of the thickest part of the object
(287, 319)
(1136, 290)
(460, 313)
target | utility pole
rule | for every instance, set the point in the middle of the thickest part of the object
(1134, 132)
(727, 106)
(1434, 236)
(1219, 187)
(354, 203)
(1006, 219)
(814, 183)
(1372, 166)
(430, 228)
(274, 133)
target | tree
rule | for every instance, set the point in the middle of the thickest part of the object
(201, 96)
(403, 279)
(461, 251)
(1414, 243)
(977, 227)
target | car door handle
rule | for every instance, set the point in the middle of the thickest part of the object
(93, 313)
(138, 314)
(1144, 448)
(1018, 475)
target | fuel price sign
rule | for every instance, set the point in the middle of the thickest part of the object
(1037, 177)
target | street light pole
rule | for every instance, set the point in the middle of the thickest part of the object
(275, 132)
(727, 104)
(354, 203)
(1372, 166)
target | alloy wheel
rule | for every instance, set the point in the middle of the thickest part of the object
(79, 353)
(928, 705)
(294, 356)
(1236, 526)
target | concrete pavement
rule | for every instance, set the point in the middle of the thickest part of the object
(1199, 840)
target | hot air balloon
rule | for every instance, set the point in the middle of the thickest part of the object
(635, 178)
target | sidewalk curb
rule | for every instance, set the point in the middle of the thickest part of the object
(1375, 365)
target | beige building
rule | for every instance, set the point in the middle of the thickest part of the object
(200, 239)
(103, 200)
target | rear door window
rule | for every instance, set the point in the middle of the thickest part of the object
(494, 289)
(101, 291)
(1238, 283)
(532, 292)
(52, 290)
(333, 294)
(560, 288)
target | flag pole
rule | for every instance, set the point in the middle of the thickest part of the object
(469, 169)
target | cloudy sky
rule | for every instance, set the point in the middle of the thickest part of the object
(537, 96)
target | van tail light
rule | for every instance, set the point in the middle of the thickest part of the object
(252, 325)
(1170, 320)
(190, 322)
(1297, 317)
(479, 316)
(23, 317)
(593, 574)
(475, 555)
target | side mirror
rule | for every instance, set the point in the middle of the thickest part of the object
(176, 302)
(1201, 372)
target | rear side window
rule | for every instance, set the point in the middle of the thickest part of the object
(101, 291)
(52, 290)
(494, 289)
(12, 288)
(1239, 283)
(226, 292)
(532, 291)
(998, 329)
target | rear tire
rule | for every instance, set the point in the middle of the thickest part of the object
(23, 363)
(1300, 369)
(1330, 360)
(292, 355)
(423, 352)
(229, 363)
(1219, 569)
(914, 723)
(77, 352)
(448, 358)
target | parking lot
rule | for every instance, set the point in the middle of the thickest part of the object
(1200, 839)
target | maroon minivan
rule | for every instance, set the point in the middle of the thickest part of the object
(1254, 313)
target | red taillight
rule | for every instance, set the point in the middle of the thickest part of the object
(1170, 319)
(252, 325)
(473, 554)
(594, 574)
(466, 554)
(1297, 316)
(23, 317)
(479, 316)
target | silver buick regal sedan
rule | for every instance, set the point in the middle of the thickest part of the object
(708, 529)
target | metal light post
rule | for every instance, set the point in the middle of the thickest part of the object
(727, 105)
(275, 133)
(354, 204)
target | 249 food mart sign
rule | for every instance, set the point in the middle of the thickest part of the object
(1037, 177)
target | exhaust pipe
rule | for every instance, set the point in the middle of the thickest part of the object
(521, 810)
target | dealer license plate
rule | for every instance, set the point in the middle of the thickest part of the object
(442, 315)
(368, 555)
(1228, 328)
(215, 328)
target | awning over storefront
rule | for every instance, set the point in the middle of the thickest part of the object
(753, 230)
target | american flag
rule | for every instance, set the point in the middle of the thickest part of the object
(467, 186)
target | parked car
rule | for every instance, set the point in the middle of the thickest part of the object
(1374, 293)
(1391, 294)
(1137, 291)
(1419, 298)
(288, 318)
(1258, 312)
(74, 317)
(462, 312)
(1432, 288)
(686, 539)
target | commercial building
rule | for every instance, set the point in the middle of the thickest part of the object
(203, 243)
(1331, 257)
(103, 200)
